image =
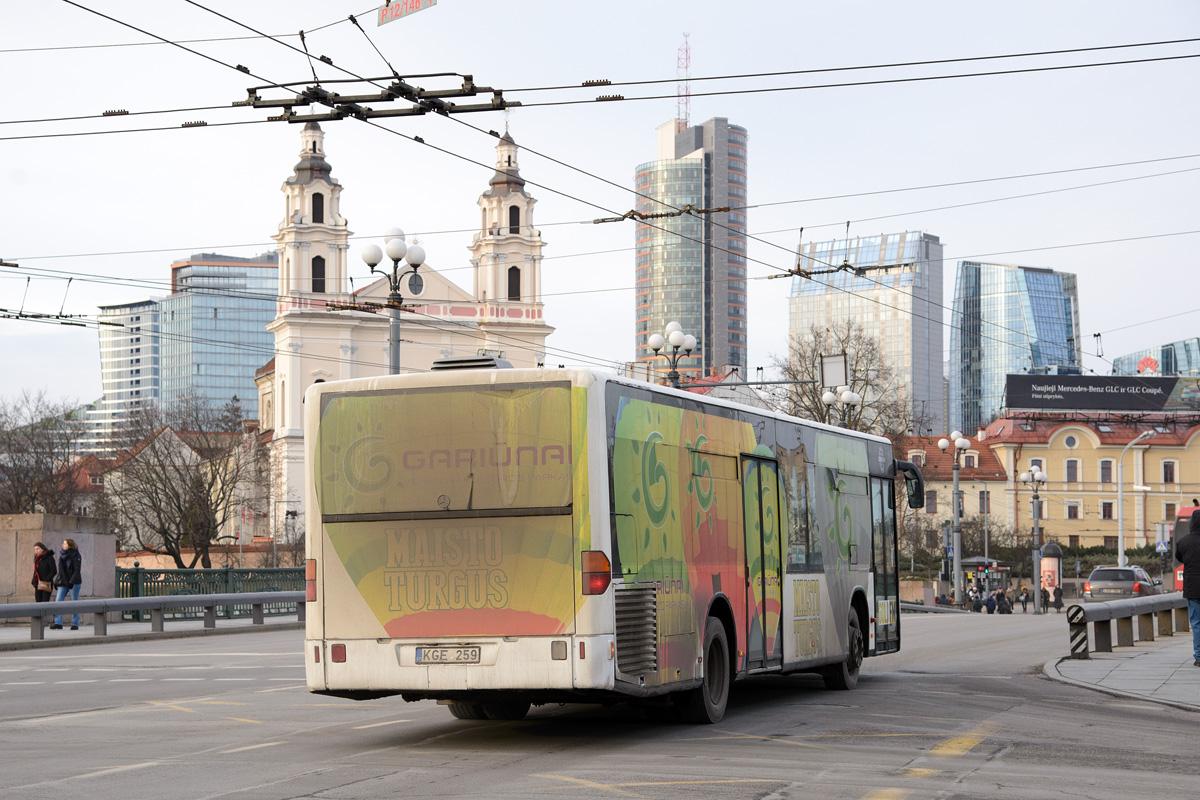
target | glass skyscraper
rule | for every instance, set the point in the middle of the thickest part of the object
(895, 296)
(1007, 319)
(1176, 358)
(692, 268)
(214, 332)
(129, 369)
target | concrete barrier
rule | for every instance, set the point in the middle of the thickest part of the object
(40, 614)
(1136, 620)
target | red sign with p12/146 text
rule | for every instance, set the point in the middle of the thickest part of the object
(393, 11)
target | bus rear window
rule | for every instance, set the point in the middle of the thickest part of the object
(466, 450)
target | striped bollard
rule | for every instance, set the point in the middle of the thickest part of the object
(1079, 634)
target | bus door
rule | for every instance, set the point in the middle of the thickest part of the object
(764, 562)
(884, 567)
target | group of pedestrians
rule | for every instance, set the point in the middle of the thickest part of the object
(57, 579)
(993, 602)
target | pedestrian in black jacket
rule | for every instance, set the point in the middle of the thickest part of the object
(70, 578)
(1187, 552)
(44, 570)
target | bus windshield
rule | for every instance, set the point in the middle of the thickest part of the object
(444, 450)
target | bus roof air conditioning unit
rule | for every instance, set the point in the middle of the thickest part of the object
(471, 362)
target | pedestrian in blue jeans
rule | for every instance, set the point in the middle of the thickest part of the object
(70, 578)
(1187, 552)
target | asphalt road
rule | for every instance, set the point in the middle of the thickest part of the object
(962, 711)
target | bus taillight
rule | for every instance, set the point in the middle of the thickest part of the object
(597, 572)
(310, 580)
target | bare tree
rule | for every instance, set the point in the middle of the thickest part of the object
(181, 478)
(886, 408)
(39, 463)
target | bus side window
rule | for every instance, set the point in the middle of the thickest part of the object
(804, 549)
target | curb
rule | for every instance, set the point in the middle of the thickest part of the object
(1051, 671)
(184, 633)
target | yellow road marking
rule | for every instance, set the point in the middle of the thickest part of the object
(221, 703)
(692, 783)
(158, 704)
(589, 784)
(242, 719)
(736, 735)
(919, 772)
(962, 744)
(887, 794)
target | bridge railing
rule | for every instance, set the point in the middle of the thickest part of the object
(1168, 610)
(41, 614)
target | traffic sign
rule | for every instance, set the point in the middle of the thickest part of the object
(395, 9)
(950, 551)
(1163, 547)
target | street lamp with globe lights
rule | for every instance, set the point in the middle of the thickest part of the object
(847, 399)
(1035, 480)
(682, 344)
(960, 444)
(396, 249)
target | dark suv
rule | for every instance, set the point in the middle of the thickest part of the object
(1115, 583)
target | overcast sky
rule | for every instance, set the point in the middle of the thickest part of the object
(68, 201)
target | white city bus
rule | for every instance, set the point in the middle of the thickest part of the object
(496, 538)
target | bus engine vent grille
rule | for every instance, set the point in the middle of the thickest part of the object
(637, 631)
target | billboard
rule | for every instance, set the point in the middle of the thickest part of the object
(1102, 393)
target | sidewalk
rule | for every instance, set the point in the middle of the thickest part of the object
(16, 637)
(1160, 672)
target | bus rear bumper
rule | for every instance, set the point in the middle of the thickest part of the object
(376, 668)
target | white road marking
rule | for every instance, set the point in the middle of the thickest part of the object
(24, 683)
(281, 688)
(128, 680)
(380, 724)
(282, 679)
(234, 679)
(183, 679)
(251, 747)
(92, 680)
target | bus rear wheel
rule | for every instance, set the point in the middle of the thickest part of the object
(845, 675)
(706, 703)
(466, 710)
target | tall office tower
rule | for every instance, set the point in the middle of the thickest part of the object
(691, 269)
(895, 294)
(129, 370)
(214, 328)
(1007, 319)
(1176, 358)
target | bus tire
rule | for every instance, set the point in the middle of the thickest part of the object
(844, 676)
(706, 703)
(466, 710)
(506, 710)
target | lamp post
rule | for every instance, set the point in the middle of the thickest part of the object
(275, 531)
(396, 249)
(1036, 480)
(847, 400)
(1121, 560)
(960, 444)
(682, 345)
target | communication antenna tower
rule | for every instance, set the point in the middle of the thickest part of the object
(683, 92)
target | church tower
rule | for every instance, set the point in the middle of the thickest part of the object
(313, 238)
(507, 251)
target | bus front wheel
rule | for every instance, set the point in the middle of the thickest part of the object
(845, 674)
(466, 710)
(706, 703)
(506, 710)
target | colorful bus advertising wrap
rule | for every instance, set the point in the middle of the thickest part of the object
(451, 509)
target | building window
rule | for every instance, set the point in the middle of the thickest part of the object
(1106, 510)
(318, 274)
(1070, 442)
(1169, 512)
(1168, 471)
(1106, 471)
(1072, 470)
(1110, 542)
(97, 480)
(318, 201)
(1036, 464)
(514, 282)
(1073, 540)
(1072, 510)
(514, 219)
(969, 461)
(931, 502)
(917, 457)
(985, 502)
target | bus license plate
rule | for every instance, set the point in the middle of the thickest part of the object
(447, 655)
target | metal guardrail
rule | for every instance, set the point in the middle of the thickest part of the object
(41, 613)
(921, 608)
(143, 582)
(1169, 609)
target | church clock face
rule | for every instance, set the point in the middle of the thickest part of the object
(416, 285)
